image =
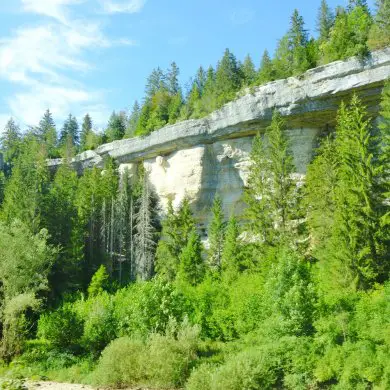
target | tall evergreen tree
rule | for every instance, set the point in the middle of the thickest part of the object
(116, 127)
(325, 21)
(47, 133)
(227, 78)
(145, 237)
(192, 267)
(356, 243)
(86, 129)
(155, 82)
(380, 32)
(70, 132)
(216, 235)
(271, 192)
(231, 257)
(133, 120)
(266, 71)
(248, 71)
(298, 40)
(173, 79)
(10, 144)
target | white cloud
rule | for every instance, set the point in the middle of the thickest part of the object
(42, 62)
(127, 6)
(52, 8)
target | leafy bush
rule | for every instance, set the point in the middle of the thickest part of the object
(147, 307)
(62, 328)
(161, 360)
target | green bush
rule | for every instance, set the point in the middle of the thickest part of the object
(100, 326)
(146, 307)
(62, 328)
(201, 378)
(161, 360)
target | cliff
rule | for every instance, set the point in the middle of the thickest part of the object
(200, 158)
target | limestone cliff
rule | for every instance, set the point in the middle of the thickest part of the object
(200, 158)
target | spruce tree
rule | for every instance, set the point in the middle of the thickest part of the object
(70, 132)
(325, 21)
(47, 133)
(133, 120)
(10, 144)
(173, 79)
(216, 235)
(145, 237)
(86, 129)
(266, 71)
(271, 190)
(192, 268)
(231, 258)
(155, 82)
(227, 78)
(379, 37)
(116, 127)
(357, 244)
(248, 71)
(298, 40)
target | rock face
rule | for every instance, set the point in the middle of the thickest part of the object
(201, 158)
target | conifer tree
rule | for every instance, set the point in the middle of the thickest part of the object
(116, 127)
(227, 78)
(298, 40)
(248, 71)
(231, 259)
(173, 79)
(133, 120)
(10, 144)
(282, 62)
(70, 132)
(356, 243)
(271, 191)
(155, 82)
(380, 31)
(216, 235)
(86, 129)
(266, 71)
(325, 21)
(192, 268)
(47, 133)
(145, 237)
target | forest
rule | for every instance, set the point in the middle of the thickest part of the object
(97, 287)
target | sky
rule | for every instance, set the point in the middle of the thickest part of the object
(79, 56)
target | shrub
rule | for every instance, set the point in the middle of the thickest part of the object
(201, 378)
(100, 326)
(62, 328)
(121, 363)
(162, 360)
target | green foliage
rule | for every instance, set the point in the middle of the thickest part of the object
(98, 282)
(348, 37)
(62, 328)
(116, 127)
(216, 235)
(266, 71)
(162, 360)
(325, 21)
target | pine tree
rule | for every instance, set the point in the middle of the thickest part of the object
(116, 127)
(266, 71)
(10, 144)
(70, 132)
(231, 258)
(356, 243)
(155, 82)
(173, 79)
(298, 40)
(133, 120)
(248, 71)
(380, 31)
(98, 282)
(283, 62)
(325, 21)
(145, 237)
(271, 191)
(47, 133)
(216, 235)
(227, 78)
(86, 129)
(174, 107)
(192, 268)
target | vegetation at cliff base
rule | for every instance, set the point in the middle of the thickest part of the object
(100, 284)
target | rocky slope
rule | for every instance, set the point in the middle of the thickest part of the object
(200, 158)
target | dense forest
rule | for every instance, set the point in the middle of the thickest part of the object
(96, 287)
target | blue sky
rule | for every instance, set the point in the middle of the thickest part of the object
(94, 56)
